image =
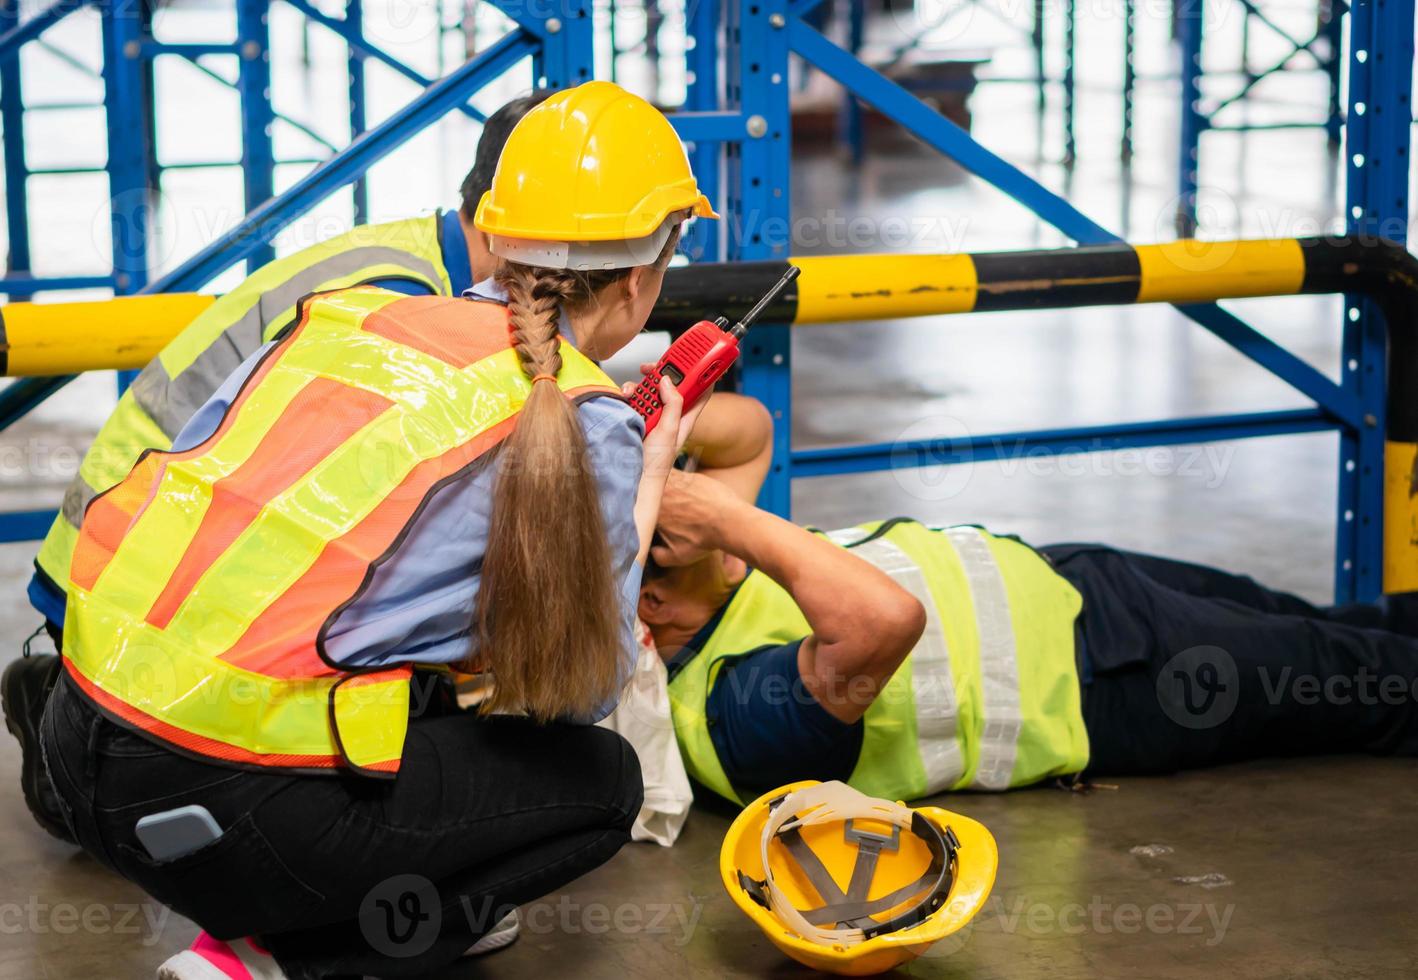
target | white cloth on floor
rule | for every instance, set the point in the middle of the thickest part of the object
(643, 719)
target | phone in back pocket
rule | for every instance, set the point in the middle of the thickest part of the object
(173, 833)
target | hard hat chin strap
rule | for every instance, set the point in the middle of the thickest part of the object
(851, 910)
(584, 256)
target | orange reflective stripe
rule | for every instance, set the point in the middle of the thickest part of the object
(474, 331)
(108, 518)
(283, 637)
(587, 391)
(314, 424)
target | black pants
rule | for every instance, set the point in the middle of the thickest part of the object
(1188, 666)
(346, 875)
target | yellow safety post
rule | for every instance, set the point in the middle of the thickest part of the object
(125, 333)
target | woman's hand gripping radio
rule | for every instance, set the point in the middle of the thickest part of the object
(699, 358)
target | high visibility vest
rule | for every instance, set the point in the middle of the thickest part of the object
(989, 697)
(189, 369)
(203, 584)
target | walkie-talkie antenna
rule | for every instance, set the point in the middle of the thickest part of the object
(741, 328)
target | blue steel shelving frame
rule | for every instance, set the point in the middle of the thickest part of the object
(556, 36)
(736, 121)
(133, 169)
(1377, 145)
(559, 46)
(1354, 407)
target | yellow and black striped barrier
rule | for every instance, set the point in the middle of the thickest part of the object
(849, 288)
(125, 333)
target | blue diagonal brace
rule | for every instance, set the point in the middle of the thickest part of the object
(930, 126)
(534, 18)
(13, 39)
(940, 133)
(1309, 381)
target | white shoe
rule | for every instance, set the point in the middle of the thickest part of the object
(501, 935)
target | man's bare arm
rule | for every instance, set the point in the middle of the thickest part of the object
(733, 441)
(863, 623)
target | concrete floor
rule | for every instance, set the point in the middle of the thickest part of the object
(1298, 869)
(1273, 869)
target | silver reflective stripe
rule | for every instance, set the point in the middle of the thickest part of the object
(76, 500)
(942, 756)
(152, 390)
(170, 402)
(999, 667)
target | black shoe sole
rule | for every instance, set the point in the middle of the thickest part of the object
(32, 762)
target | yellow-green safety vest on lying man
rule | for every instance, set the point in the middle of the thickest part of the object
(189, 370)
(989, 697)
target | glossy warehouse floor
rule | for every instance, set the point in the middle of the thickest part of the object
(1275, 869)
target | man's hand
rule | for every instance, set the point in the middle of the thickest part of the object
(692, 515)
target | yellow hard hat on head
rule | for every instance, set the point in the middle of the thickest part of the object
(850, 884)
(588, 179)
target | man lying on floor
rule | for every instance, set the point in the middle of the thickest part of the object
(910, 660)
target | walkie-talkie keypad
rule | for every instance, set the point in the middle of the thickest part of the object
(646, 398)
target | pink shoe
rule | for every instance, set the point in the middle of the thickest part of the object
(212, 959)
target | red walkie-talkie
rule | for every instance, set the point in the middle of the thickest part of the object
(700, 357)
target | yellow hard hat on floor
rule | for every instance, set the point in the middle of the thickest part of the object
(849, 884)
(593, 164)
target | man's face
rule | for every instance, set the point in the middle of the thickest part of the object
(483, 262)
(659, 602)
(656, 612)
(676, 602)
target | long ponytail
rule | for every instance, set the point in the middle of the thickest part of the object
(548, 620)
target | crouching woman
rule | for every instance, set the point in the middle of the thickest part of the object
(246, 727)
